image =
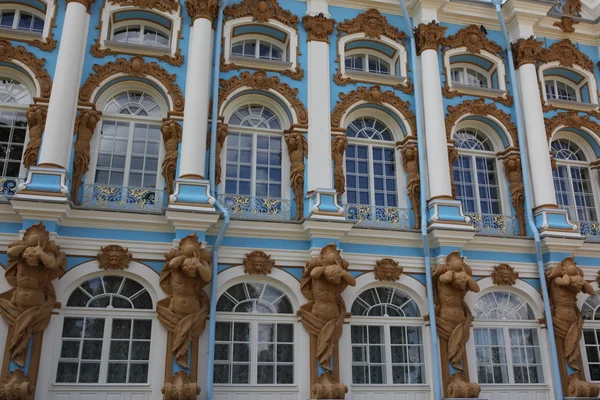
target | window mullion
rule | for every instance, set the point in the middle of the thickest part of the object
(105, 350)
(475, 182)
(509, 360)
(253, 353)
(388, 354)
(371, 175)
(253, 168)
(128, 155)
(573, 204)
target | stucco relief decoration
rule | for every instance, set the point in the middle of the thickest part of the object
(526, 51)
(325, 277)
(36, 121)
(261, 11)
(569, 9)
(171, 134)
(429, 36)
(222, 130)
(8, 52)
(473, 39)
(258, 263)
(339, 144)
(260, 81)
(410, 163)
(504, 275)
(160, 5)
(97, 50)
(183, 313)
(114, 257)
(16, 387)
(567, 55)
(85, 125)
(206, 9)
(318, 27)
(565, 282)
(452, 158)
(33, 263)
(137, 67)
(570, 119)
(180, 387)
(297, 150)
(452, 281)
(387, 269)
(514, 176)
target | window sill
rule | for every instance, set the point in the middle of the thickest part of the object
(234, 387)
(19, 34)
(477, 91)
(137, 48)
(572, 105)
(371, 77)
(108, 387)
(377, 387)
(256, 63)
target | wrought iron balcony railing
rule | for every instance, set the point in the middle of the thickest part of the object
(121, 198)
(8, 187)
(493, 224)
(378, 216)
(266, 208)
(590, 230)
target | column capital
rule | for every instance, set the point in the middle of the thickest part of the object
(318, 27)
(526, 51)
(429, 36)
(86, 3)
(206, 9)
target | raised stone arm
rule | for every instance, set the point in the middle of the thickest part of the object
(205, 271)
(317, 272)
(16, 250)
(348, 278)
(473, 286)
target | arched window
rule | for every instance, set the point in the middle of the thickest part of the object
(572, 182)
(469, 76)
(560, 90)
(260, 48)
(14, 101)
(254, 153)
(141, 34)
(367, 62)
(590, 310)
(387, 338)
(254, 336)
(475, 173)
(371, 164)
(107, 332)
(21, 20)
(506, 339)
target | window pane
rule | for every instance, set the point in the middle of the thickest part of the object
(526, 355)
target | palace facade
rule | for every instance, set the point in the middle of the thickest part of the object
(291, 200)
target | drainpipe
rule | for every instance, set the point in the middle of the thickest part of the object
(212, 323)
(528, 212)
(437, 379)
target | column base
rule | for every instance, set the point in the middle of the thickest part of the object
(446, 213)
(323, 205)
(44, 183)
(553, 221)
(192, 195)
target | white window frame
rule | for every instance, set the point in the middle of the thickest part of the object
(589, 79)
(498, 67)
(17, 19)
(367, 53)
(142, 25)
(283, 46)
(28, 36)
(465, 67)
(588, 324)
(570, 84)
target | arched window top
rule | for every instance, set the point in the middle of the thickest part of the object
(255, 116)
(385, 301)
(142, 34)
(565, 149)
(500, 305)
(111, 292)
(472, 139)
(255, 297)
(368, 128)
(22, 20)
(590, 310)
(133, 103)
(13, 91)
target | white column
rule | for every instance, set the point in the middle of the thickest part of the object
(57, 143)
(192, 156)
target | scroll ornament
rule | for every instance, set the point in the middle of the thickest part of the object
(452, 158)
(429, 36)
(452, 281)
(261, 11)
(8, 52)
(15, 386)
(222, 130)
(410, 163)
(570, 8)
(567, 54)
(258, 263)
(36, 120)
(171, 134)
(298, 151)
(180, 387)
(514, 175)
(202, 9)
(387, 270)
(338, 148)
(318, 27)
(325, 278)
(114, 257)
(526, 51)
(33, 263)
(160, 5)
(85, 125)
(504, 275)
(183, 313)
(372, 24)
(474, 40)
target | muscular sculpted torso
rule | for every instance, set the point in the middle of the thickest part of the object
(189, 274)
(326, 288)
(564, 294)
(453, 285)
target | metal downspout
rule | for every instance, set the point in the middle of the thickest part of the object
(212, 323)
(437, 379)
(528, 211)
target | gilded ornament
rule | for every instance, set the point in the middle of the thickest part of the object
(570, 119)
(86, 3)
(566, 24)
(339, 144)
(429, 36)
(526, 51)
(160, 5)
(579, 387)
(85, 125)
(514, 175)
(567, 55)
(180, 387)
(36, 120)
(258, 263)
(297, 150)
(222, 129)
(261, 11)
(98, 51)
(318, 27)
(206, 9)
(387, 269)
(8, 52)
(474, 40)
(460, 387)
(504, 274)
(452, 158)
(327, 387)
(171, 134)
(114, 257)
(15, 386)
(410, 163)
(372, 24)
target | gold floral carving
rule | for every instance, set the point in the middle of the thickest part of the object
(504, 275)
(261, 11)
(570, 119)
(514, 175)
(429, 36)
(258, 263)
(114, 257)
(259, 80)
(222, 129)
(86, 3)
(85, 125)
(410, 163)
(206, 9)
(452, 158)
(8, 52)
(567, 55)
(452, 281)
(482, 109)
(325, 278)
(160, 5)
(97, 51)
(183, 313)
(180, 387)
(373, 95)
(473, 39)
(33, 263)
(137, 67)
(36, 120)
(171, 134)
(526, 51)
(373, 24)
(565, 282)
(318, 27)
(566, 24)
(387, 270)
(15, 386)
(339, 144)
(297, 150)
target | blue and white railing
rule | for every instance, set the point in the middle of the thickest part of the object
(495, 225)
(377, 216)
(265, 208)
(121, 198)
(8, 187)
